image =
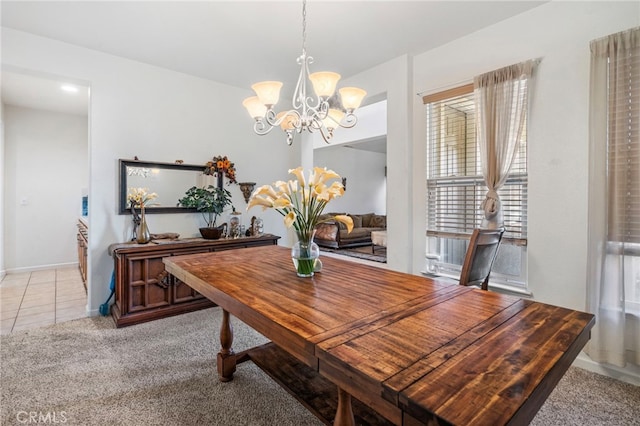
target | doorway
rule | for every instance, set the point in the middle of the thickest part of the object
(45, 175)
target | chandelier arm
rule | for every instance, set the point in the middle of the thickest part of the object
(292, 113)
(315, 115)
(262, 128)
(299, 93)
(270, 117)
(349, 120)
(327, 134)
(317, 124)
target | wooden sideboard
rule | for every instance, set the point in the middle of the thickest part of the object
(83, 247)
(145, 291)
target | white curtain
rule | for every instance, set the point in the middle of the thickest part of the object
(613, 276)
(501, 110)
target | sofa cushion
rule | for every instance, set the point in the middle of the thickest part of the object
(357, 220)
(378, 221)
(366, 219)
(356, 234)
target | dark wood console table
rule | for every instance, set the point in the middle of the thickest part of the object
(414, 349)
(145, 291)
(83, 246)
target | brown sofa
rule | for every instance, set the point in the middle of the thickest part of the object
(334, 234)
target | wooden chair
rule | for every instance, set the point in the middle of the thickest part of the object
(481, 253)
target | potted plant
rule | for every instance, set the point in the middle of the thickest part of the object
(209, 201)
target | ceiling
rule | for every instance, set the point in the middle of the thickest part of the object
(239, 42)
(31, 91)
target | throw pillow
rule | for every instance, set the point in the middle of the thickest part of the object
(366, 220)
(357, 220)
(378, 221)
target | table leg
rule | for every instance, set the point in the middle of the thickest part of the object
(226, 356)
(344, 412)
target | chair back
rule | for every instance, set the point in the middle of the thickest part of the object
(481, 253)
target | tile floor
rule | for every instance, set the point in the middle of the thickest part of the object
(39, 298)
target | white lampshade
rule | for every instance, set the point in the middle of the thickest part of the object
(351, 97)
(324, 82)
(255, 108)
(268, 92)
(289, 122)
(334, 117)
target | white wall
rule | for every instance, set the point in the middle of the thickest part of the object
(46, 164)
(157, 115)
(366, 182)
(392, 81)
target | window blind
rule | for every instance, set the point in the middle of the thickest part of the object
(623, 148)
(454, 179)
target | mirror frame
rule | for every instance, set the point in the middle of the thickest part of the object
(124, 204)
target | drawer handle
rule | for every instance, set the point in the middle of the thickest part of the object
(163, 279)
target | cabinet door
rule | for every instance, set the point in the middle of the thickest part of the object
(149, 283)
(182, 292)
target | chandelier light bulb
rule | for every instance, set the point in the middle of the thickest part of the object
(268, 92)
(351, 97)
(256, 109)
(324, 83)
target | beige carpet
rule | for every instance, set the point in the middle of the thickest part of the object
(87, 372)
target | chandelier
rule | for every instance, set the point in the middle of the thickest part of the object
(324, 113)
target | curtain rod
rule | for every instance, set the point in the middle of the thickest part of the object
(463, 82)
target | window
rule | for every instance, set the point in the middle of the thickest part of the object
(613, 263)
(623, 169)
(456, 189)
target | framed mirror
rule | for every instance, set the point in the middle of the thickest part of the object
(169, 180)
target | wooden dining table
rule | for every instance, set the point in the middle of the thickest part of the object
(412, 349)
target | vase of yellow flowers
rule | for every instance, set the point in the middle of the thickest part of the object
(301, 202)
(141, 197)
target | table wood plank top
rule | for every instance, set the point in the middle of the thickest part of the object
(258, 286)
(411, 347)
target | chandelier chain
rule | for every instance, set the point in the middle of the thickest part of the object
(304, 26)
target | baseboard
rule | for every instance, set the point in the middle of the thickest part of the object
(41, 267)
(630, 374)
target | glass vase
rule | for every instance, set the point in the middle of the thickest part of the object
(304, 254)
(143, 234)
